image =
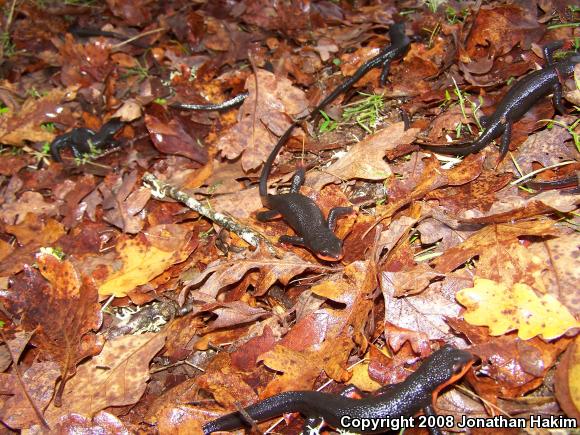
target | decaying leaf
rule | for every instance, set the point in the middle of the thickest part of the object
(505, 309)
(144, 258)
(63, 309)
(39, 380)
(116, 377)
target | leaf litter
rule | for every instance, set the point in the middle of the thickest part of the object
(125, 312)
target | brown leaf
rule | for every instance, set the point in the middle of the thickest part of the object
(511, 206)
(426, 311)
(172, 138)
(65, 311)
(25, 125)
(278, 100)
(547, 147)
(83, 64)
(434, 177)
(365, 159)
(513, 367)
(560, 258)
(229, 272)
(501, 27)
(342, 329)
(39, 380)
(29, 202)
(116, 377)
(32, 234)
(102, 423)
(567, 381)
(491, 237)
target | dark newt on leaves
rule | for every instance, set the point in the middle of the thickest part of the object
(418, 392)
(313, 231)
(84, 140)
(89, 32)
(398, 47)
(517, 101)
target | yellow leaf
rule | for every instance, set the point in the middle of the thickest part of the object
(141, 263)
(505, 309)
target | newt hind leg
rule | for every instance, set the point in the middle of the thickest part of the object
(335, 213)
(505, 141)
(269, 215)
(292, 240)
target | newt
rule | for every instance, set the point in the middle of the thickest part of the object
(89, 32)
(405, 399)
(396, 50)
(516, 102)
(313, 231)
(84, 140)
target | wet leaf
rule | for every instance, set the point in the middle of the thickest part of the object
(116, 377)
(505, 309)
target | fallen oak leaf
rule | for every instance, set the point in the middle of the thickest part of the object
(65, 311)
(492, 236)
(20, 410)
(225, 273)
(504, 309)
(278, 101)
(365, 159)
(116, 377)
(145, 257)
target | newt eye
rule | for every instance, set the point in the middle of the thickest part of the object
(457, 368)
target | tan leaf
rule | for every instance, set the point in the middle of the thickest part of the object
(366, 158)
(116, 377)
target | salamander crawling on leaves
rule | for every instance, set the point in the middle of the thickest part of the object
(397, 49)
(313, 231)
(84, 140)
(418, 392)
(517, 101)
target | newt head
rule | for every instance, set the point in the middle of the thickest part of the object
(326, 246)
(445, 367)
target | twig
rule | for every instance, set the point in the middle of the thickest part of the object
(134, 38)
(537, 171)
(18, 376)
(160, 189)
